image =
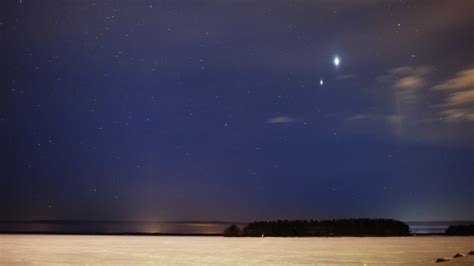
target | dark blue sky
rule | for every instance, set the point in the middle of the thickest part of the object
(213, 110)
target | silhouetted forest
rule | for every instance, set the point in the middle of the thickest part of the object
(460, 230)
(341, 227)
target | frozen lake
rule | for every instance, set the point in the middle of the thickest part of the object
(177, 250)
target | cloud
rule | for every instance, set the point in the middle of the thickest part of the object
(422, 109)
(463, 80)
(361, 117)
(410, 82)
(283, 120)
(405, 85)
(458, 93)
(393, 119)
(408, 77)
(457, 115)
(461, 98)
(414, 97)
(406, 81)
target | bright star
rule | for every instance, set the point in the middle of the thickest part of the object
(336, 61)
(321, 82)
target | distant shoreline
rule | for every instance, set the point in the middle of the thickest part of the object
(103, 234)
(166, 228)
(198, 234)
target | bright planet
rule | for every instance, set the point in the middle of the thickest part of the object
(336, 61)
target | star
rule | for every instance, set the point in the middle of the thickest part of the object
(321, 82)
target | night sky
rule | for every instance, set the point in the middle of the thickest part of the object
(236, 110)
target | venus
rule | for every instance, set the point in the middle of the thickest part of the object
(336, 61)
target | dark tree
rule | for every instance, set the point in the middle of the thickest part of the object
(233, 230)
(460, 230)
(343, 227)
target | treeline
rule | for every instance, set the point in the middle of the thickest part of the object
(341, 227)
(460, 230)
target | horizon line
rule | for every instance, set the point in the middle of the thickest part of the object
(206, 221)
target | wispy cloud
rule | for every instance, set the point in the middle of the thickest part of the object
(458, 105)
(422, 109)
(393, 119)
(407, 77)
(463, 80)
(407, 86)
(457, 115)
(406, 83)
(458, 98)
(414, 96)
(283, 120)
(361, 117)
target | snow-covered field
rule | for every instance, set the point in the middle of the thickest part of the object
(172, 250)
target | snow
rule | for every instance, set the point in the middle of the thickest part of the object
(181, 250)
